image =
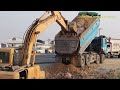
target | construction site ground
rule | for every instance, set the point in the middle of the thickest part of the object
(110, 69)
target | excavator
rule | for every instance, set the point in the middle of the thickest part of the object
(26, 68)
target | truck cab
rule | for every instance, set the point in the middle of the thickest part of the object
(113, 47)
(98, 45)
(108, 47)
(104, 44)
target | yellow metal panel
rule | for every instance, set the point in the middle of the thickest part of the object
(9, 75)
(34, 72)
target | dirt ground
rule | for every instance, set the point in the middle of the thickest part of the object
(110, 69)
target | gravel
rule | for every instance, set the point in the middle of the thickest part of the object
(108, 70)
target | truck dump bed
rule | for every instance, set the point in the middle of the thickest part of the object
(77, 41)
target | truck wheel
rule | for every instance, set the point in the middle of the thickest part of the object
(81, 60)
(119, 56)
(66, 60)
(58, 59)
(74, 61)
(97, 59)
(102, 58)
(87, 59)
(108, 55)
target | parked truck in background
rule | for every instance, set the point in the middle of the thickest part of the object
(113, 47)
(74, 47)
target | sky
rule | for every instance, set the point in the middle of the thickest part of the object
(15, 23)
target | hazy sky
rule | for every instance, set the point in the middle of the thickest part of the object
(15, 23)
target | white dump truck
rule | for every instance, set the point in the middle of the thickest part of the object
(113, 47)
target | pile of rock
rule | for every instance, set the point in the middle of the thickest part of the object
(82, 22)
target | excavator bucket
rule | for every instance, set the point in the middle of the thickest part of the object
(35, 73)
(66, 44)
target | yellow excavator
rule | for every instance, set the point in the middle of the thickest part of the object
(25, 67)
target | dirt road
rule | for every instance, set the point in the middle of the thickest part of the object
(110, 69)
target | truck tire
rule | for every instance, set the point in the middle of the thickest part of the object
(119, 56)
(87, 59)
(66, 60)
(58, 59)
(74, 61)
(97, 61)
(81, 60)
(102, 58)
(108, 55)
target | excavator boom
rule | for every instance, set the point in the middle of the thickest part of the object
(37, 27)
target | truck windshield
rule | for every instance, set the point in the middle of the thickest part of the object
(4, 56)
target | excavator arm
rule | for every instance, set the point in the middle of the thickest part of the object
(37, 27)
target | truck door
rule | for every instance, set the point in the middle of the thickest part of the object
(104, 44)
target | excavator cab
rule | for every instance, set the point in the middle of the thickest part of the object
(6, 56)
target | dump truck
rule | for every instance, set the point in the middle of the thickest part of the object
(113, 47)
(74, 46)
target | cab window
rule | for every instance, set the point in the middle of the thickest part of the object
(4, 56)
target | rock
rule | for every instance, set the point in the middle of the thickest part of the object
(68, 75)
(83, 22)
